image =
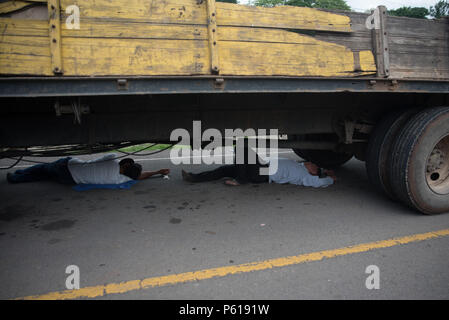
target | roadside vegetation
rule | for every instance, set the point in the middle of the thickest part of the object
(439, 10)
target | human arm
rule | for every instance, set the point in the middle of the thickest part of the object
(106, 157)
(317, 182)
(331, 173)
(147, 174)
(308, 179)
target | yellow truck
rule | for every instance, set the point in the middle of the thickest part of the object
(80, 75)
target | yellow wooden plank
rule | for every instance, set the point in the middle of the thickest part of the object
(112, 29)
(103, 57)
(106, 29)
(190, 12)
(110, 42)
(270, 52)
(299, 55)
(158, 11)
(97, 57)
(19, 27)
(10, 6)
(247, 34)
(25, 55)
(278, 59)
(367, 61)
(99, 29)
(286, 17)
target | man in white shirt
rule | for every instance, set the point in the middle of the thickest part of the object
(104, 170)
(288, 171)
(303, 174)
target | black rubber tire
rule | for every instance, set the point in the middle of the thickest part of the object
(409, 160)
(324, 158)
(379, 149)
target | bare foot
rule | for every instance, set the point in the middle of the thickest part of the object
(232, 183)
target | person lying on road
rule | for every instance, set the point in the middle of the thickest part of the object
(104, 170)
(289, 171)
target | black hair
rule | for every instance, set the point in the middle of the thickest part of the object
(126, 161)
(133, 171)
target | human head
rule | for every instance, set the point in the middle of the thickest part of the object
(130, 169)
(313, 169)
(125, 162)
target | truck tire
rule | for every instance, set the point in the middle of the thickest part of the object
(419, 167)
(324, 158)
(378, 153)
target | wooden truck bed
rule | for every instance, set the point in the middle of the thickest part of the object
(202, 37)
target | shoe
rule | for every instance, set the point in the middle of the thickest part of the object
(187, 176)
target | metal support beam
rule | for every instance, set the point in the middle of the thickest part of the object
(77, 86)
(308, 145)
(54, 13)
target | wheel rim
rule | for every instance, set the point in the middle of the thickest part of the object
(437, 169)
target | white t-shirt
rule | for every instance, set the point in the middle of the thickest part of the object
(103, 170)
(290, 171)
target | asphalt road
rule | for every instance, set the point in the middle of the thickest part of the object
(169, 239)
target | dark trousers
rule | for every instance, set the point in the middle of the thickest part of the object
(56, 171)
(243, 173)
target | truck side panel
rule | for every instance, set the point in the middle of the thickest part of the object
(147, 38)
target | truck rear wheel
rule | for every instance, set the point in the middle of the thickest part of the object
(419, 167)
(324, 158)
(378, 154)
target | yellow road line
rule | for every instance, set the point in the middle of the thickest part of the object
(123, 287)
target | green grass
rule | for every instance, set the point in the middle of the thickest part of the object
(139, 147)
